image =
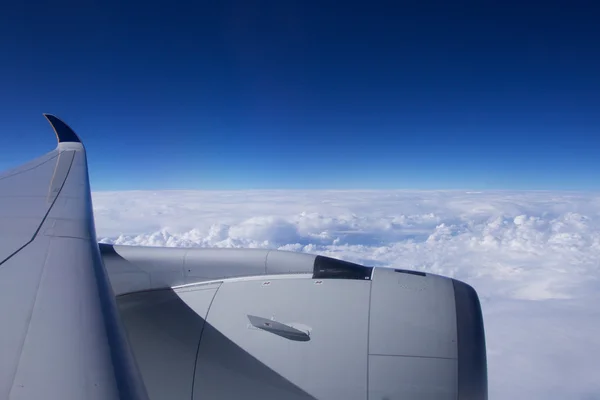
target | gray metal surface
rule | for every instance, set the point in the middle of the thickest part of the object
(412, 315)
(412, 337)
(59, 335)
(400, 378)
(136, 268)
(275, 329)
(331, 365)
(24, 202)
(472, 362)
(164, 327)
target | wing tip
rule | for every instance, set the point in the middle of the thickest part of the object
(63, 132)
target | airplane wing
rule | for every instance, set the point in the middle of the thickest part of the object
(60, 335)
(211, 323)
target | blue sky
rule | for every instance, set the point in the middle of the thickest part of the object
(307, 94)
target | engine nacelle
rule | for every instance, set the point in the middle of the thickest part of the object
(279, 325)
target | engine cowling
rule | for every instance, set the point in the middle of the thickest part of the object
(319, 328)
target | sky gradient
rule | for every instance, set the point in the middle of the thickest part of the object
(302, 94)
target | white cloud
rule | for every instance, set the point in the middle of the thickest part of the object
(534, 258)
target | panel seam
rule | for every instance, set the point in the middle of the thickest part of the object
(413, 356)
(267, 261)
(200, 341)
(45, 216)
(458, 363)
(37, 292)
(369, 330)
(28, 169)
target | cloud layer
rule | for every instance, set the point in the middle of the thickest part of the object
(534, 258)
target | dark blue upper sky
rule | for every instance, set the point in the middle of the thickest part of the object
(309, 94)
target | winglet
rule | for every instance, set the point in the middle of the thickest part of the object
(63, 132)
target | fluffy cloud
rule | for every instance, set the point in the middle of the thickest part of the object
(534, 258)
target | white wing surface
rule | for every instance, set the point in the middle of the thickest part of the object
(60, 337)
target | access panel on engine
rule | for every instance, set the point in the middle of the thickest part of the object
(292, 338)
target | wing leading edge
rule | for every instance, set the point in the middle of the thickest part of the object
(61, 336)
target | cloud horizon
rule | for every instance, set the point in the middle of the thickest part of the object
(531, 256)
